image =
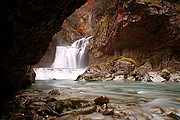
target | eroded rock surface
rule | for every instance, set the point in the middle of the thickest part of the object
(144, 30)
(27, 28)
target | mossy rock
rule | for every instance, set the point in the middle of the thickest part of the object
(69, 104)
(103, 71)
(170, 69)
(165, 73)
(121, 58)
(156, 3)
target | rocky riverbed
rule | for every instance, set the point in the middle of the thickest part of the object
(126, 92)
(38, 104)
(126, 70)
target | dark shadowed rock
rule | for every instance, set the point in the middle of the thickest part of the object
(27, 29)
(165, 73)
(172, 116)
(67, 104)
(101, 100)
(54, 92)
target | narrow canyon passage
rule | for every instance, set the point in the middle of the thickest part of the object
(90, 60)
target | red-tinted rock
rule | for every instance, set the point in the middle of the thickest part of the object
(145, 32)
(101, 100)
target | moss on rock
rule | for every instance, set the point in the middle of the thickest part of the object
(67, 104)
(127, 59)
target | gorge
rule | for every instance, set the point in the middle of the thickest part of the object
(132, 37)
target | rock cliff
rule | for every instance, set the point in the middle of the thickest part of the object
(27, 28)
(144, 30)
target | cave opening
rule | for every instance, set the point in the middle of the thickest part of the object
(126, 52)
(69, 47)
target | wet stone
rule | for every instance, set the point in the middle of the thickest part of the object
(172, 116)
(157, 110)
(54, 92)
(70, 104)
(108, 112)
(101, 100)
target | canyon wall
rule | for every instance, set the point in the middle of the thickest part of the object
(144, 30)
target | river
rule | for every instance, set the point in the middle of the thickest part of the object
(145, 95)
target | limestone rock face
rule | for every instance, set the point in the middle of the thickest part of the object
(144, 30)
(27, 28)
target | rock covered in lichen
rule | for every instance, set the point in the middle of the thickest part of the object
(108, 71)
(141, 73)
(165, 73)
(68, 104)
(145, 30)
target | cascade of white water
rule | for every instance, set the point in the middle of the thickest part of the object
(69, 62)
(74, 56)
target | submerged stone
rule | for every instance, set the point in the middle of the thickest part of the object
(69, 104)
(54, 92)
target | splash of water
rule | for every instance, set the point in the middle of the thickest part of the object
(57, 73)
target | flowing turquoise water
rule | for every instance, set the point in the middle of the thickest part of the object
(164, 95)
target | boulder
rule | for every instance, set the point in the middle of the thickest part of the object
(101, 100)
(165, 73)
(108, 71)
(54, 92)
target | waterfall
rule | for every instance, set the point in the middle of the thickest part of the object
(74, 56)
(69, 62)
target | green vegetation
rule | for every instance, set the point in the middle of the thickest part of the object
(169, 69)
(127, 59)
(156, 3)
(70, 104)
(142, 66)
